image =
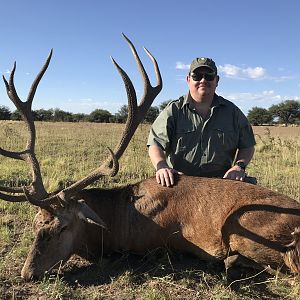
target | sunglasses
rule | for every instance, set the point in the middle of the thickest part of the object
(206, 76)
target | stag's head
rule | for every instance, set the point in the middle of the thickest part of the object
(57, 235)
(60, 221)
(53, 235)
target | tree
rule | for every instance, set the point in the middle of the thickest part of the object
(80, 117)
(62, 116)
(4, 113)
(121, 115)
(287, 111)
(164, 104)
(16, 116)
(43, 115)
(296, 120)
(151, 114)
(100, 116)
(259, 116)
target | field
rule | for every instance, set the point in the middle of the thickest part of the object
(68, 152)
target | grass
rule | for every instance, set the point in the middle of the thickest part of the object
(277, 160)
(68, 152)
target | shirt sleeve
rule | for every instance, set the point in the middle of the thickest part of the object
(161, 130)
(246, 135)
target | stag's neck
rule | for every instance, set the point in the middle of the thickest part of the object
(113, 207)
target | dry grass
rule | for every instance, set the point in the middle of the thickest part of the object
(68, 152)
(277, 159)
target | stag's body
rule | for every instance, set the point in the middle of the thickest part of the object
(210, 218)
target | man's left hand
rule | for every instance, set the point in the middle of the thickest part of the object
(235, 173)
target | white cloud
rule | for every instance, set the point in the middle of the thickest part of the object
(264, 99)
(281, 78)
(233, 71)
(181, 66)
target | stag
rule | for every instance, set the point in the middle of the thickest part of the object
(214, 219)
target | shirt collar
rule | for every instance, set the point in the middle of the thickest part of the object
(217, 101)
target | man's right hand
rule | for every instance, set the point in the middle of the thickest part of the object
(165, 176)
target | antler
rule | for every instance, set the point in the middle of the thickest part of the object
(110, 166)
(136, 113)
(36, 189)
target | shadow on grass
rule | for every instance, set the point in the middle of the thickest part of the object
(177, 268)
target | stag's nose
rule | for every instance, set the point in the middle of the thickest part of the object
(28, 274)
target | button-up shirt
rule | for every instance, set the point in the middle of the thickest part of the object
(197, 146)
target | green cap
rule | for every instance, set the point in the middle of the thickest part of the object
(203, 62)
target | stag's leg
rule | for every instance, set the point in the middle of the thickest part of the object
(238, 260)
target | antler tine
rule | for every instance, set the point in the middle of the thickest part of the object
(38, 78)
(138, 61)
(132, 116)
(36, 189)
(136, 113)
(12, 198)
(10, 88)
(8, 189)
(145, 77)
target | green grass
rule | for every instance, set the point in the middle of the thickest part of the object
(68, 152)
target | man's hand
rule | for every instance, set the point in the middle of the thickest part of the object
(235, 173)
(165, 176)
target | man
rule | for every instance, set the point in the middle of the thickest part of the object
(201, 134)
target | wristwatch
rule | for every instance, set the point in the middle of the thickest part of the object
(241, 164)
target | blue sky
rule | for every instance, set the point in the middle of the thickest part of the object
(255, 45)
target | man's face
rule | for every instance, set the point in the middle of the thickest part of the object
(202, 83)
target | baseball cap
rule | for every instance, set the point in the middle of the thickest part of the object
(203, 62)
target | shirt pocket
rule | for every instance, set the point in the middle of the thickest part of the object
(223, 139)
(186, 139)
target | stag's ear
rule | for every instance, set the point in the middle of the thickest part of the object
(88, 215)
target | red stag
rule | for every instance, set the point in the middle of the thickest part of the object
(214, 219)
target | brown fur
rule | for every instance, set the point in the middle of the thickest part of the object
(211, 218)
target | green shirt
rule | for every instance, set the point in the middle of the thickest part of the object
(201, 147)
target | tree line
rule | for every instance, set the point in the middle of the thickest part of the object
(97, 116)
(286, 112)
